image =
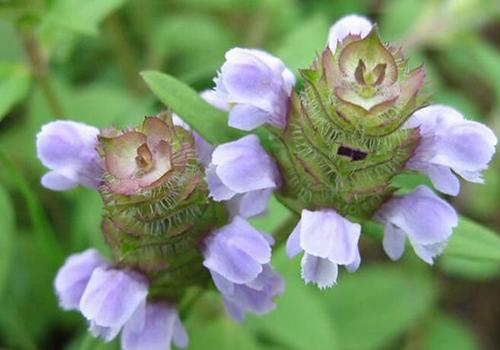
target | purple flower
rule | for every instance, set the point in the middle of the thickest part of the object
(68, 149)
(425, 218)
(450, 142)
(238, 258)
(242, 173)
(328, 240)
(111, 297)
(256, 86)
(154, 327)
(348, 25)
(73, 276)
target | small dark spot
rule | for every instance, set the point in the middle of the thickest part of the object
(352, 153)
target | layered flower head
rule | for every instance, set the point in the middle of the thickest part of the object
(141, 158)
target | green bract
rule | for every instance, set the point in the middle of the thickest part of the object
(343, 142)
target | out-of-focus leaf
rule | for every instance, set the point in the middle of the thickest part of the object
(11, 50)
(208, 121)
(40, 225)
(300, 320)
(476, 270)
(399, 17)
(7, 236)
(222, 334)
(14, 84)
(474, 241)
(378, 303)
(198, 53)
(79, 16)
(407, 182)
(444, 332)
(299, 49)
(275, 216)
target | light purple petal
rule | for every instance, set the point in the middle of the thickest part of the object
(441, 176)
(218, 190)
(112, 296)
(352, 24)
(293, 242)
(157, 330)
(326, 234)
(73, 276)
(247, 117)
(243, 165)
(237, 251)
(448, 140)
(68, 148)
(234, 310)
(224, 286)
(430, 251)
(319, 271)
(254, 203)
(180, 336)
(106, 333)
(56, 181)
(255, 87)
(354, 266)
(212, 98)
(394, 241)
(422, 215)
(249, 80)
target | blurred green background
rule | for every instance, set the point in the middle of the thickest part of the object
(80, 59)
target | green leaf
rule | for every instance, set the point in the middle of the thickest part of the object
(301, 46)
(208, 121)
(14, 84)
(474, 241)
(447, 333)
(465, 268)
(378, 303)
(7, 235)
(79, 16)
(300, 321)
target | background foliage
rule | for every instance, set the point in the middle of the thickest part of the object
(81, 60)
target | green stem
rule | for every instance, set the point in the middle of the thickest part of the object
(124, 54)
(39, 68)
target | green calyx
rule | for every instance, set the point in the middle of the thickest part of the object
(156, 204)
(343, 142)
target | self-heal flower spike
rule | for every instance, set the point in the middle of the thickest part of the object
(356, 123)
(154, 327)
(423, 217)
(158, 213)
(449, 143)
(256, 87)
(68, 149)
(328, 240)
(238, 258)
(243, 174)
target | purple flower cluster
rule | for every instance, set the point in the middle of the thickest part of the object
(256, 88)
(114, 300)
(449, 144)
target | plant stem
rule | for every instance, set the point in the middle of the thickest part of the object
(124, 54)
(39, 69)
